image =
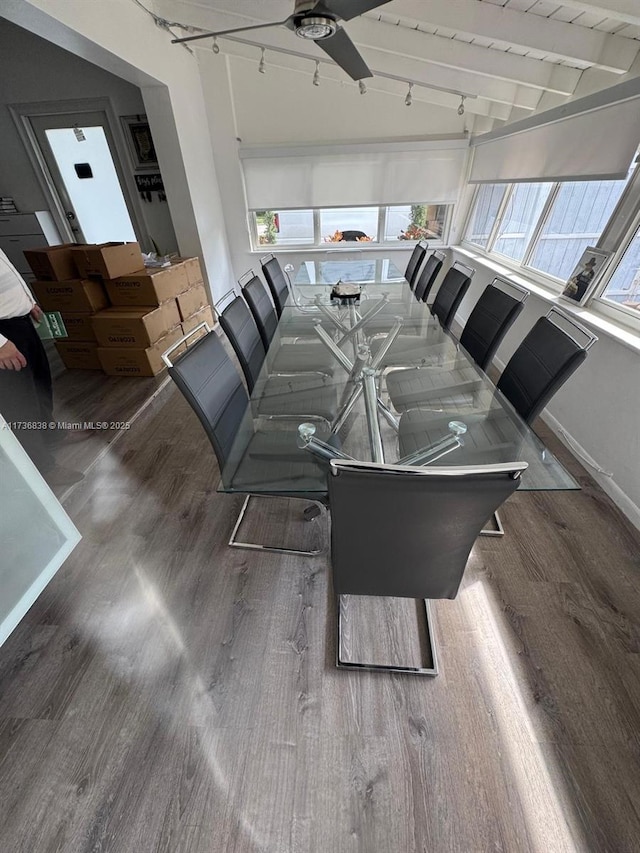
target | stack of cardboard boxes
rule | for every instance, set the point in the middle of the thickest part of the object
(151, 308)
(60, 287)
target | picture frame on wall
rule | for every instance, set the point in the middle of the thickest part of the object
(586, 275)
(140, 142)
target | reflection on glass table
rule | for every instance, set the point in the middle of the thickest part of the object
(463, 420)
(36, 533)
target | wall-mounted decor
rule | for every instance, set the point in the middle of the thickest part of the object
(140, 141)
(584, 278)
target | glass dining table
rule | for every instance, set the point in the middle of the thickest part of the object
(353, 323)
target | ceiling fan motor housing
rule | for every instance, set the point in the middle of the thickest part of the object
(309, 24)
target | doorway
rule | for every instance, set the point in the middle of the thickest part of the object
(77, 162)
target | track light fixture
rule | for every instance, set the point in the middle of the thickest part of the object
(362, 87)
(215, 47)
(461, 107)
(316, 74)
(409, 99)
(261, 66)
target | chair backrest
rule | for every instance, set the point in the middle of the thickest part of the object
(408, 532)
(262, 309)
(417, 256)
(429, 274)
(546, 358)
(213, 388)
(492, 317)
(451, 293)
(240, 327)
(277, 282)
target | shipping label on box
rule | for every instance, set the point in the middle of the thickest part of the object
(79, 356)
(79, 327)
(135, 327)
(138, 361)
(148, 286)
(191, 301)
(77, 296)
(53, 263)
(108, 260)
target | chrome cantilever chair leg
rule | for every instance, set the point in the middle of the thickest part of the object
(499, 529)
(313, 511)
(429, 668)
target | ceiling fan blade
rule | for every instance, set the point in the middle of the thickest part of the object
(348, 9)
(345, 54)
(236, 30)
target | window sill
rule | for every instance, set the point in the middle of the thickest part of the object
(598, 322)
(386, 248)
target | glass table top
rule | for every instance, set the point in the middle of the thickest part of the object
(328, 385)
(378, 270)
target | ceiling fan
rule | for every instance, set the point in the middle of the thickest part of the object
(317, 20)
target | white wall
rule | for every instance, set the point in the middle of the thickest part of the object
(599, 405)
(119, 37)
(34, 70)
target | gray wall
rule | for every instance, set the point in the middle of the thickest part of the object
(33, 69)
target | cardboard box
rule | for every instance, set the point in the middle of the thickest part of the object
(191, 301)
(205, 315)
(108, 260)
(80, 296)
(193, 268)
(148, 286)
(79, 327)
(78, 355)
(53, 263)
(135, 327)
(118, 361)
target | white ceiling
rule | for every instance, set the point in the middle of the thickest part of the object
(514, 56)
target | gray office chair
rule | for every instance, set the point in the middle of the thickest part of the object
(314, 396)
(451, 293)
(277, 282)
(293, 323)
(213, 388)
(408, 532)
(554, 348)
(429, 274)
(493, 315)
(415, 262)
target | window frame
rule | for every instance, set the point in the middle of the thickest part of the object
(378, 242)
(623, 316)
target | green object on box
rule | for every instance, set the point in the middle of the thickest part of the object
(52, 326)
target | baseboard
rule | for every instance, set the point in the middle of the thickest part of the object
(607, 484)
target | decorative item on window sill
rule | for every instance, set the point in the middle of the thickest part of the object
(348, 237)
(415, 232)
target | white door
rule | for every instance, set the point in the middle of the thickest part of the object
(79, 154)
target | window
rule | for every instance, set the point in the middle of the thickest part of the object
(416, 222)
(623, 287)
(520, 218)
(284, 228)
(349, 224)
(485, 210)
(345, 225)
(577, 218)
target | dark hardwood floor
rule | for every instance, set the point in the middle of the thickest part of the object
(167, 693)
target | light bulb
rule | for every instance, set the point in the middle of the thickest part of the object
(362, 87)
(316, 74)
(461, 107)
(261, 66)
(409, 99)
(215, 47)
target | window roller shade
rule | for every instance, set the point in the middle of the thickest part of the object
(594, 145)
(354, 179)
